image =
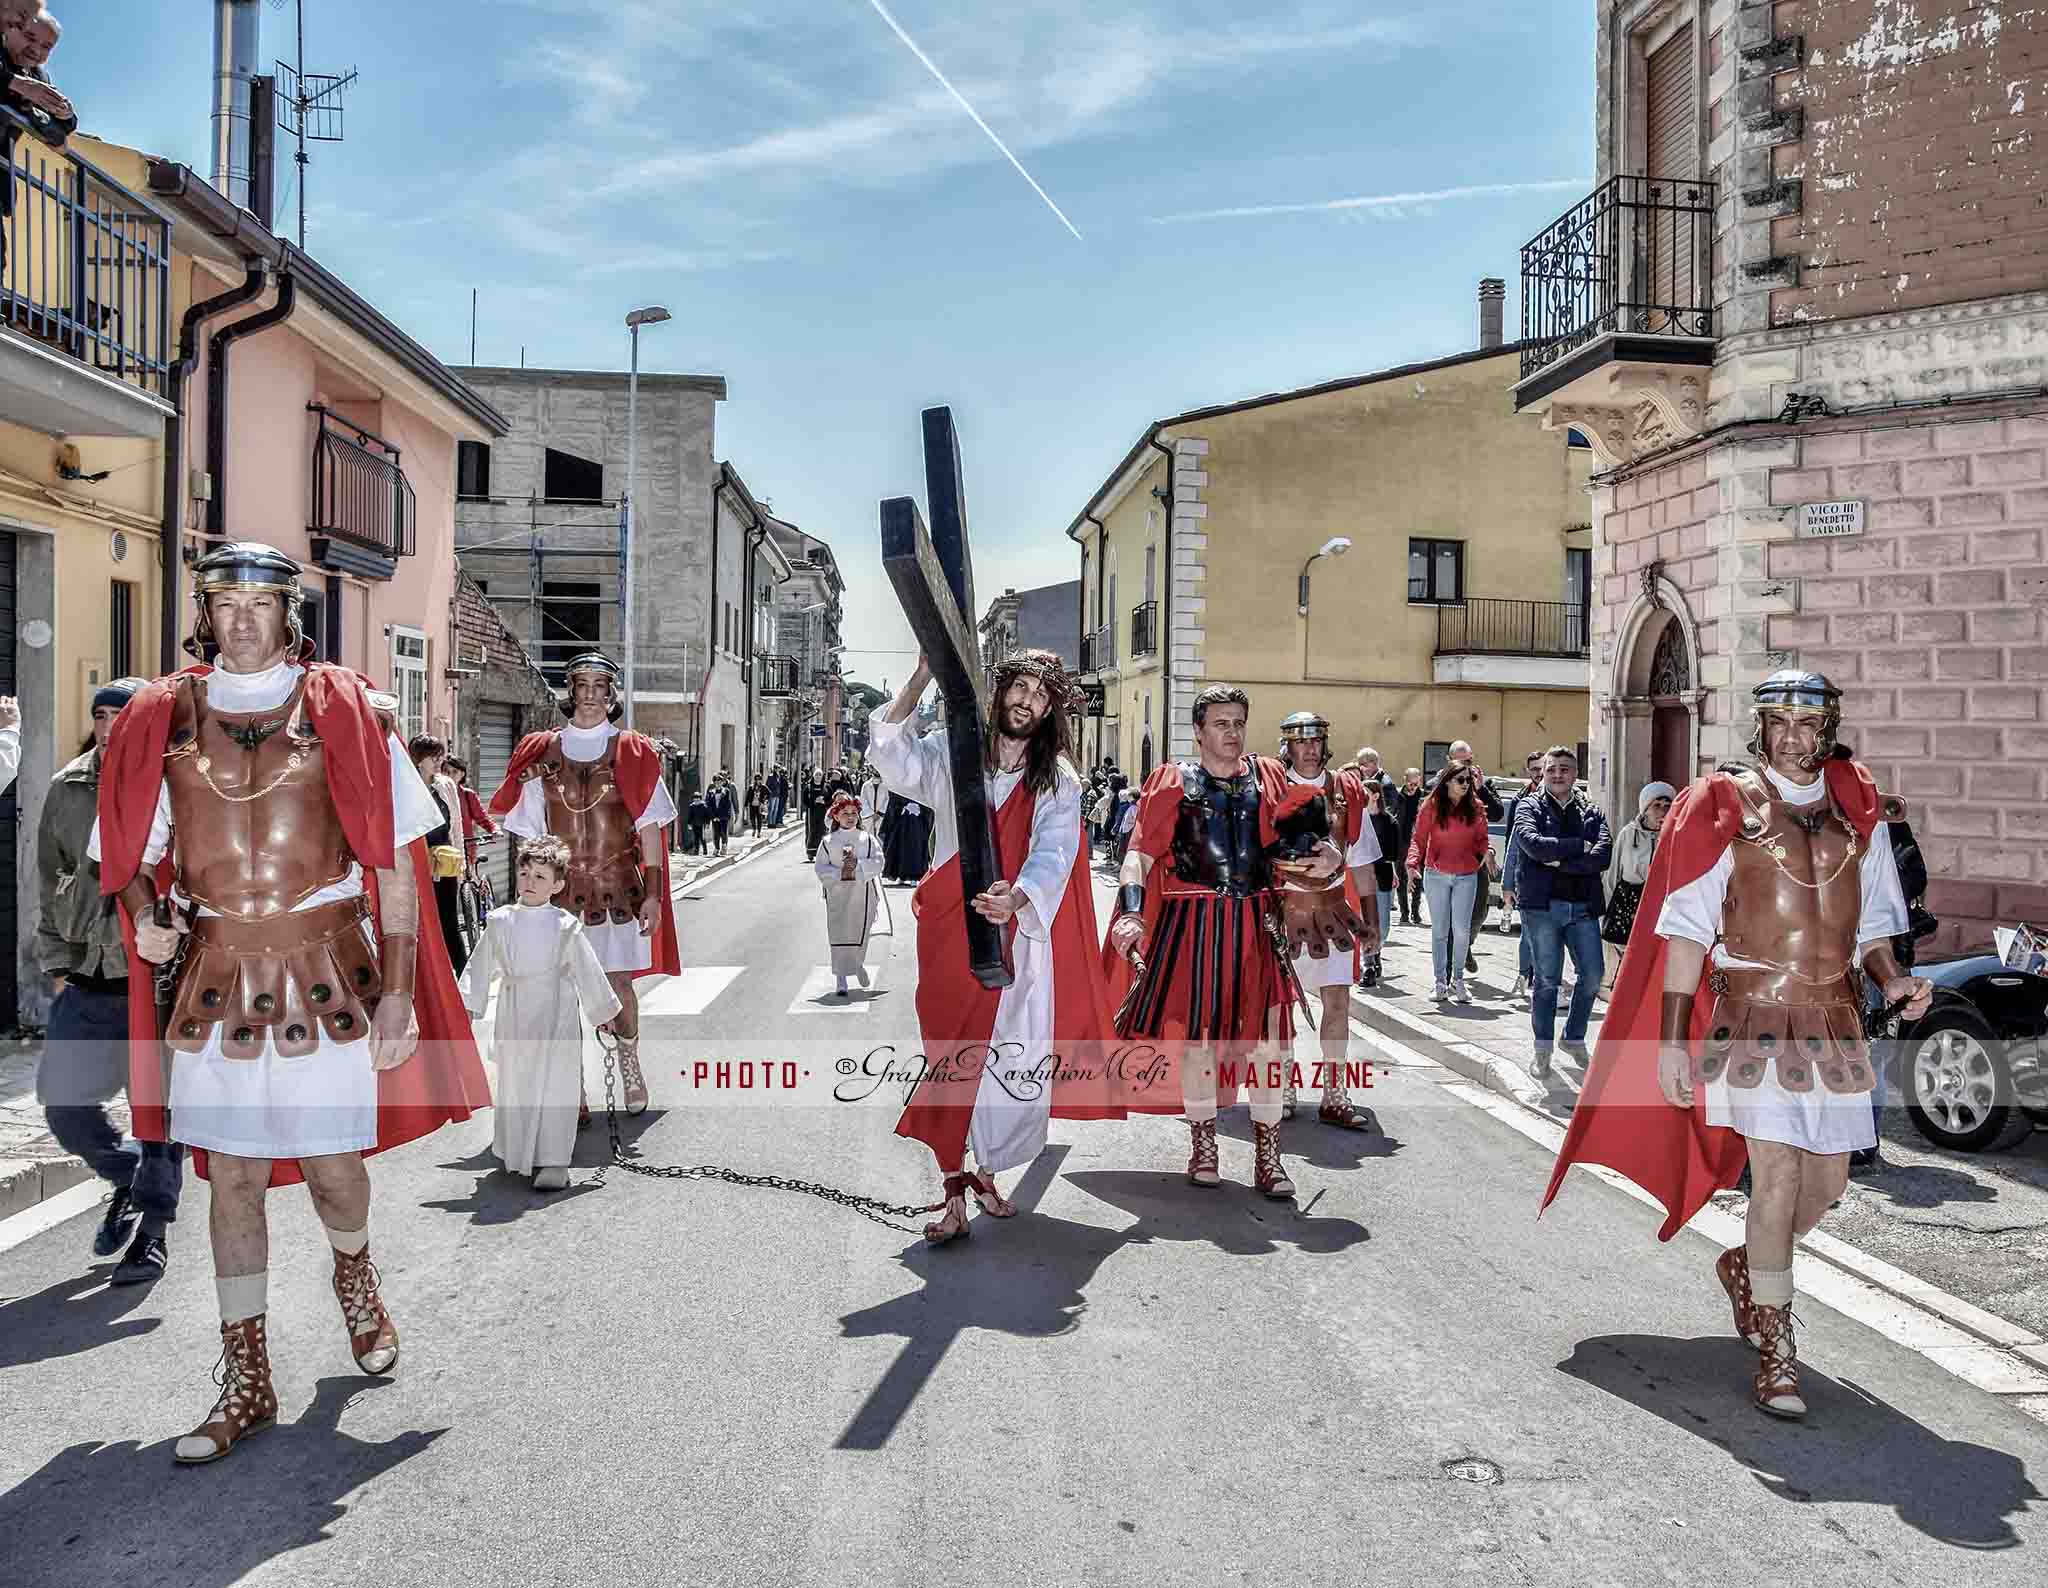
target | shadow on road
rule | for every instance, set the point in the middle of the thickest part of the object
(1927, 1185)
(79, 1313)
(1029, 1275)
(500, 1197)
(1306, 1139)
(1852, 1448)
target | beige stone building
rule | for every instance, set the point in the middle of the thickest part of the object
(1803, 321)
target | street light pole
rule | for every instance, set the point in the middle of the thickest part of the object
(1335, 546)
(639, 317)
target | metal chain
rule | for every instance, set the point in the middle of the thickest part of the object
(866, 1207)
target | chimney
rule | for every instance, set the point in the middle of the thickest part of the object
(236, 25)
(1493, 293)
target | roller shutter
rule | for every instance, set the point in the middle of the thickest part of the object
(1672, 153)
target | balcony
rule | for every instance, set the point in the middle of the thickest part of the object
(1618, 316)
(1098, 650)
(1144, 629)
(364, 512)
(1507, 644)
(778, 676)
(84, 299)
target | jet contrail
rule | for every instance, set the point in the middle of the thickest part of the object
(925, 60)
(1372, 202)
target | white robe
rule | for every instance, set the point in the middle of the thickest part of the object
(849, 906)
(1819, 1121)
(1006, 1131)
(620, 945)
(1334, 969)
(551, 990)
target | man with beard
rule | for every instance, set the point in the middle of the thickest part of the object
(1305, 755)
(1783, 873)
(599, 789)
(270, 794)
(988, 1051)
(1212, 990)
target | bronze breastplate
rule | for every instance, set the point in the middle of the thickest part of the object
(1796, 894)
(257, 831)
(587, 811)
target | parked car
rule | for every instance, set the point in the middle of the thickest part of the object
(1973, 1070)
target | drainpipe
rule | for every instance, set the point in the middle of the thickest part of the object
(171, 545)
(1101, 575)
(1166, 626)
(217, 388)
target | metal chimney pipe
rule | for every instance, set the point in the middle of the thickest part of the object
(236, 39)
(1493, 294)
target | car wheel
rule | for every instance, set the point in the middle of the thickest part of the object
(1957, 1088)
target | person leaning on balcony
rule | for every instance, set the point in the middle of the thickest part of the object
(27, 36)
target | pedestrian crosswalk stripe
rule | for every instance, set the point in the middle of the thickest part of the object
(688, 994)
(820, 994)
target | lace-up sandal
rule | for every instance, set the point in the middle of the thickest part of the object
(1269, 1175)
(1732, 1269)
(372, 1336)
(992, 1201)
(1777, 1364)
(247, 1403)
(632, 1082)
(1289, 1103)
(1202, 1153)
(1338, 1109)
(953, 1227)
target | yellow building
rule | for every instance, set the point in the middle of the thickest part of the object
(1445, 550)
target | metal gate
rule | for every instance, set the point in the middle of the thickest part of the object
(497, 731)
(9, 812)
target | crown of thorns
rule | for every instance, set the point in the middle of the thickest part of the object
(1064, 694)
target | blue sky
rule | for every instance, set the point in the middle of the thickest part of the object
(839, 238)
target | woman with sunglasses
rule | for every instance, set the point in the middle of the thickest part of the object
(1448, 852)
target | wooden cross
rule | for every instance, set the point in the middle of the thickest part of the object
(933, 575)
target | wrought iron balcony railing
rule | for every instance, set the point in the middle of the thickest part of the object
(777, 675)
(88, 264)
(1511, 628)
(1144, 628)
(1632, 256)
(360, 496)
(1098, 650)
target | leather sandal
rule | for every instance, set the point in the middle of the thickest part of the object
(247, 1403)
(1202, 1156)
(946, 1229)
(1345, 1114)
(632, 1082)
(1777, 1365)
(1732, 1269)
(372, 1336)
(992, 1201)
(1269, 1175)
(1289, 1103)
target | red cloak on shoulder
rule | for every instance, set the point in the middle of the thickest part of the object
(444, 1079)
(639, 774)
(1622, 1120)
(956, 1015)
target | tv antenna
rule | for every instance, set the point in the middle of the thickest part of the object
(309, 107)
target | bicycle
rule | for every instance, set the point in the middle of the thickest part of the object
(476, 900)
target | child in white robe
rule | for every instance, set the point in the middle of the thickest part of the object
(848, 862)
(549, 982)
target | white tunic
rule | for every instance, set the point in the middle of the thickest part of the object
(620, 945)
(551, 990)
(1334, 969)
(1819, 1121)
(272, 1107)
(1005, 1131)
(849, 906)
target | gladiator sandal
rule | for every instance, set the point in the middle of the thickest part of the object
(1338, 1109)
(1777, 1364)
(632, 1082)
(953, 1227)
(247, 1403)
(1289, 1103)
(1202, 1157)
(372, 1336)
(993, 1202)
(1732, 1269)
(1268, 1174)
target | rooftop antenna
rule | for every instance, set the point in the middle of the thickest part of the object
(309, 107)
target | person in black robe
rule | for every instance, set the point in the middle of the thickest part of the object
(906, 840)
(816, 793)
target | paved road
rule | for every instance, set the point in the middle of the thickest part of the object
(1133, 1382)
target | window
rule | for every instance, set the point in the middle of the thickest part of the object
(1578, 597)
(472, 470)
(1435, 752)
(569, 615)
(121, 629)
(1436, 571)
(1151, 552)
(409, 680)
(569, 478)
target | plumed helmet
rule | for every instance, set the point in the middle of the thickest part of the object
(602, 665)
(1792, 691)
(248, 565)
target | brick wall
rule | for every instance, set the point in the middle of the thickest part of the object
(1921, 167)
(507, 676)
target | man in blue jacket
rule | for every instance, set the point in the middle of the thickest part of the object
(1563, 846)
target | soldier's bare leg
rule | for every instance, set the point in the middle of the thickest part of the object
(1823, 1177)
(235, 1220)
(627, 1024)
(340, 1187)
(241, 1255)
(1777, 1182)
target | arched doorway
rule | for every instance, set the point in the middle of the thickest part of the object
(1651, 726)
(1145, 758)
(1671, 757)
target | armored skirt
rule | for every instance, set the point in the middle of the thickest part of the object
(1214, 974)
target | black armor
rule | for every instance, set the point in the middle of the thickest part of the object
(1216, 833)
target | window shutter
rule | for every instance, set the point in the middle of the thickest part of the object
(1672, 153)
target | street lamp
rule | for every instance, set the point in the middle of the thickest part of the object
(1335, 546)
(651, 315)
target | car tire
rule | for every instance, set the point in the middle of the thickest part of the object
(1958, 1090)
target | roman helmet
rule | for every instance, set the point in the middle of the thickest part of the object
(248, 565)
(1300, 725)
(607, 669)
(1796, 693)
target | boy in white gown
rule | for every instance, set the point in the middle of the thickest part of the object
(550, 982)
(848, 862)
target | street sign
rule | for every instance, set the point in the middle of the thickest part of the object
(1098, 698)
(817, 730)
(1821, 520)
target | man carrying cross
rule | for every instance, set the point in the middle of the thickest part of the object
(987, 1050)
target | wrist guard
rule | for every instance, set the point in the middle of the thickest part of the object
(140, 898)
(1130, 899)
(1676, 1027)
(400, 962)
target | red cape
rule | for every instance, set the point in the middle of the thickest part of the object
(444, 1080)
(639, 772)
(955, 1012)
(1622, 1120)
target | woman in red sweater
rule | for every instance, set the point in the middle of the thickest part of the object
(1448, 852)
